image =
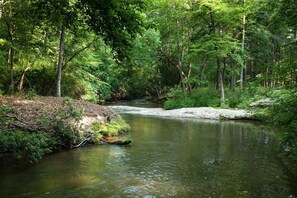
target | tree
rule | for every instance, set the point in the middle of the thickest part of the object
(62, 15)
(117, 21)
(16, 29)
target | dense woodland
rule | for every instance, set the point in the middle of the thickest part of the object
(221, 53)
(114, 49)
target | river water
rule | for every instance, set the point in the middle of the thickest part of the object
(167, 158)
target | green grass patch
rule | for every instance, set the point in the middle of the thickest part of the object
(111, 129)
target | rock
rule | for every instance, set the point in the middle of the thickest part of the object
(262, 103)
(85, 124)
(120, 142)
(193, 113)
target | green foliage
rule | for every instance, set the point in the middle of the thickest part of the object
(59, 123)
(243, 98)
(179, 103)
(30, 95)
(117, 21)
(4, 120)
(111, 129)
(200, 97)
(27, 146)
(96, 138)
(284, 113)
(77, 84)
(40, 80)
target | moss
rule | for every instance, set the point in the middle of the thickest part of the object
(97, 138)
(111, 129)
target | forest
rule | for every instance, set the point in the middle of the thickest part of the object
(181, 53)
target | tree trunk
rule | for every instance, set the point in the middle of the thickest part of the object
(180, 47)
(10, 49)
(233, 77)
(10, 62)
(21, 81)
(188, 76)
(242, 47)
(221, 81)
(1, 8)
(60, 61)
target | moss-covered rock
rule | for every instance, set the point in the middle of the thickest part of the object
(113, 128)
(113, 132)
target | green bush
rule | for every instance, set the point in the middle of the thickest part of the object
(30, 94)
(59, 123)
(284, 111)
(4, 120)
(201, 97)
(33, 146)
(179, 103)
(76, 84)
(26, 146)
(233, 100)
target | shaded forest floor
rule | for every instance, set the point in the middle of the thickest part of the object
(27, 113)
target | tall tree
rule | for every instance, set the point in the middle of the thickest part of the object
(62, 15)
(117, 21)
(243, 44)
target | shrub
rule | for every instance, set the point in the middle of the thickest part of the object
(26, 146)
(30, 94)
(284, 111)
(4, 120)
(59, 123)
(33, 146)
(201, 97)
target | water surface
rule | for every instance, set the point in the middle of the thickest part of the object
(167, 158)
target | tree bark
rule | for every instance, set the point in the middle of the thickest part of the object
(1, 8)
(10, 49)
(233, 77)
(76, 54)
(10, 62)
(221, 81)
(60, 61)
(21, 82)
(180, 47)
(242, 47)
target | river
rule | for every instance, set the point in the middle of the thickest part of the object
(167, 158)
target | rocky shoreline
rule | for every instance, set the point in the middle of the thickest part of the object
(193, 113)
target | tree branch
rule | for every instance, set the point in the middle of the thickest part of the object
(76, 54)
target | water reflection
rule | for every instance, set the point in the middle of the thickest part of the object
(167, 158)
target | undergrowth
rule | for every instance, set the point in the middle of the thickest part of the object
(26, 146)
(55, 130)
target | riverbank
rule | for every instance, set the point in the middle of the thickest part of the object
(32, 128)
(193, 113)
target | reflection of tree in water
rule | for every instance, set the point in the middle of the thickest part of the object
(167, 157)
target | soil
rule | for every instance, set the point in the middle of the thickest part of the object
(26, 113)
